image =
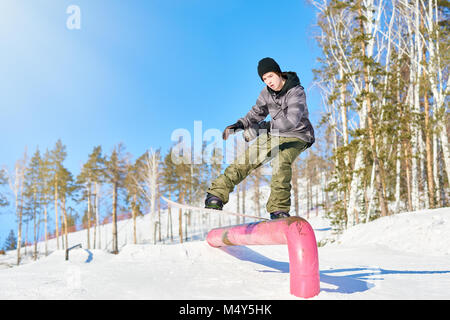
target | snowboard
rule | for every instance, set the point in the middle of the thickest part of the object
(189, 207)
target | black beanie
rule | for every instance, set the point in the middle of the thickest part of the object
(267, 65)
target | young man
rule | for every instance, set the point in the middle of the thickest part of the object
(289, 133)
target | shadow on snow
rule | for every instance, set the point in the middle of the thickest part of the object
(347, 280)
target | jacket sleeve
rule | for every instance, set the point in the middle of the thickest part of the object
(257, 113)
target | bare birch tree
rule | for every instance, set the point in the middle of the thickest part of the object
(16, 183)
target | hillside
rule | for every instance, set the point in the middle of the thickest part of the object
(405, 256)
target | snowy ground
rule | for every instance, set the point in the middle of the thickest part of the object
(405, 256)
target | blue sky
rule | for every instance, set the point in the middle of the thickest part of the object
(138, 70)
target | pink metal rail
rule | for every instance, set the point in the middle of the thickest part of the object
(299, 236)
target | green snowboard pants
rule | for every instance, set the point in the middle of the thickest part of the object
(282, 150)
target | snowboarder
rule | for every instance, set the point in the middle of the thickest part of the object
(282, 139)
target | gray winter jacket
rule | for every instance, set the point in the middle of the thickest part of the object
(287, 109)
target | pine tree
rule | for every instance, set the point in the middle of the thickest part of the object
(92, 173)
(67, 187)
(33, 193)
(169, 185)
(135, 195)
(115, 173)
(45, 178)
(10, 242)
(176, 182)
(57, 156)
(387, 63)
(370, 67)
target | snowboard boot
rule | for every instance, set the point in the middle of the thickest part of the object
(213, 202)
(279, 215)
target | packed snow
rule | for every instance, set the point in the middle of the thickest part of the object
(403, 256)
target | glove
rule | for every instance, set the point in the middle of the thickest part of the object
(255, 130)
(232, 129)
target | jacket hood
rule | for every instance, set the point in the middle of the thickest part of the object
(292, 80)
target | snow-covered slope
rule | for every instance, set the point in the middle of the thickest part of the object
(405, 256)
(424, 232)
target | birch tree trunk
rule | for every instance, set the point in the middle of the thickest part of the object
(428, 144)
(169, 222)
(368, 53)
(408, 176)
(133, 211)
(88, 186)
(45, 231)
(159, 219)
(16, 183)
(19, 215)
(414, 147)
(355, 185)
(63, 202)
(153, 166)
(180, 219)
(371, 194)
(436, 76)
(417, 57)
(97, 217)
(115, 243)
(56, 212)
(19, 234)
(397, 178)
(436, 169)
(35, 229)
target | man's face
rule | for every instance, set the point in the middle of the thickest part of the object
(274, 81)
